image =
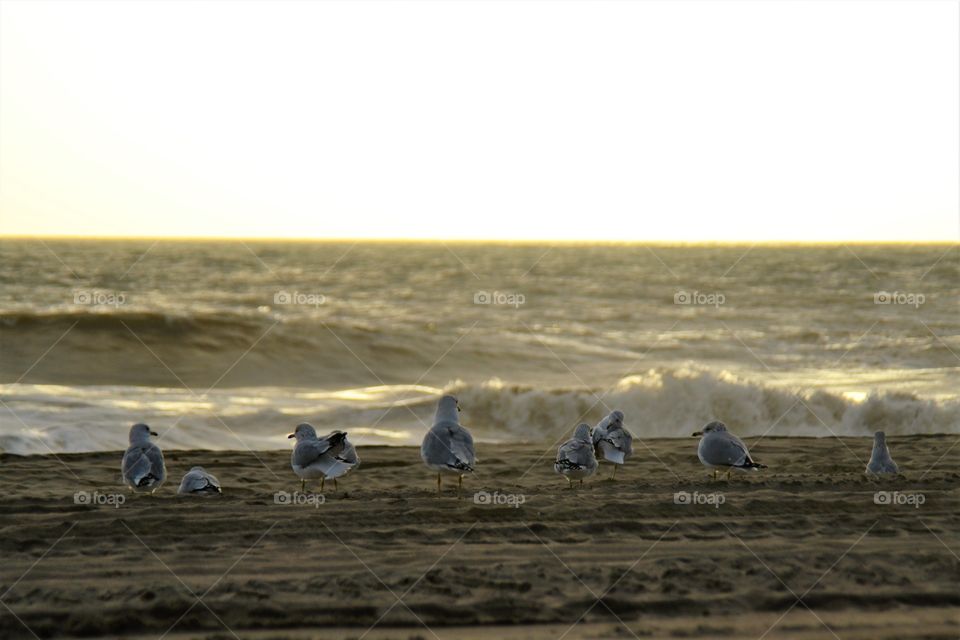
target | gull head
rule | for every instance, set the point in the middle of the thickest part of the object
(879, 437)
(449, 403)
(448, 409)
(303, 431)
(140, 433)
(582, 432)
(616, 418)
(711, 427)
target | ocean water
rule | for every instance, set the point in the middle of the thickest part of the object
(228, 345)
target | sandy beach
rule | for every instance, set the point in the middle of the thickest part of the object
(491, 229)
(801, 550)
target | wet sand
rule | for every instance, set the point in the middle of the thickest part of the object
(801, 550)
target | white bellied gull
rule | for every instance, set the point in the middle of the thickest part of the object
(721, 450)
(327, 458)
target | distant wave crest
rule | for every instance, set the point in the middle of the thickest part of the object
(675, 402)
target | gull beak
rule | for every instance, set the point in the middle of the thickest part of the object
(291, 435)
(459, 409)
(697, 434)
(154, 433)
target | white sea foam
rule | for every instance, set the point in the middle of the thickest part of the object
(658, 403)
(668, 403)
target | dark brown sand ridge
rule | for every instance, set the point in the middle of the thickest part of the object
(622, 558)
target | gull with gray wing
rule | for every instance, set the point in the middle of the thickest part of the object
(327, 458)
(575, 457)
(199, 482)
(142, 467)
(448, 446)
(880, 461)
(721, 450)
(612, 442)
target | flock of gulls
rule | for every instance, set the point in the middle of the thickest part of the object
(448, 449)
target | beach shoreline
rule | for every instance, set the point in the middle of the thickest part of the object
(651, 554)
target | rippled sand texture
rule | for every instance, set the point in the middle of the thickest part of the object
(807, 529)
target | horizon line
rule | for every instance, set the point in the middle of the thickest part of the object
(767, 242)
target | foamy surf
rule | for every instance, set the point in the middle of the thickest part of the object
(675, 402)
(658, 403)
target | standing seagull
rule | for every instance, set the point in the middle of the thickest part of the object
(142, 467)
(575, 457)
(448, 446)
(328, 457)
(198, 482)
(720, 449)
(612, 442)
(880, 460)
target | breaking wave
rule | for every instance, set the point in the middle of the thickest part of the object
(658, 403)
(674, 403)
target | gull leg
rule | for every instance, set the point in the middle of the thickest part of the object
(459, 486)
(714, 474)
(303, 484)
(438, 485)
(581, 482)
(335, 485)
(569, 482)
(728, 473)
(614, 476)
(323, 482)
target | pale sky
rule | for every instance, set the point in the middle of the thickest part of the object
(673, 121)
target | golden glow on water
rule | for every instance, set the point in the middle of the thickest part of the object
(165, 406)
(367, 394)
(382, 433)
(855, 396)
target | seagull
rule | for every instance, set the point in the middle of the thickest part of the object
(329, 457)
(448, 446)
(720, 449)
(197, 482)
(880, 460)
(575, 457)
(612, 442)
(142, 467)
